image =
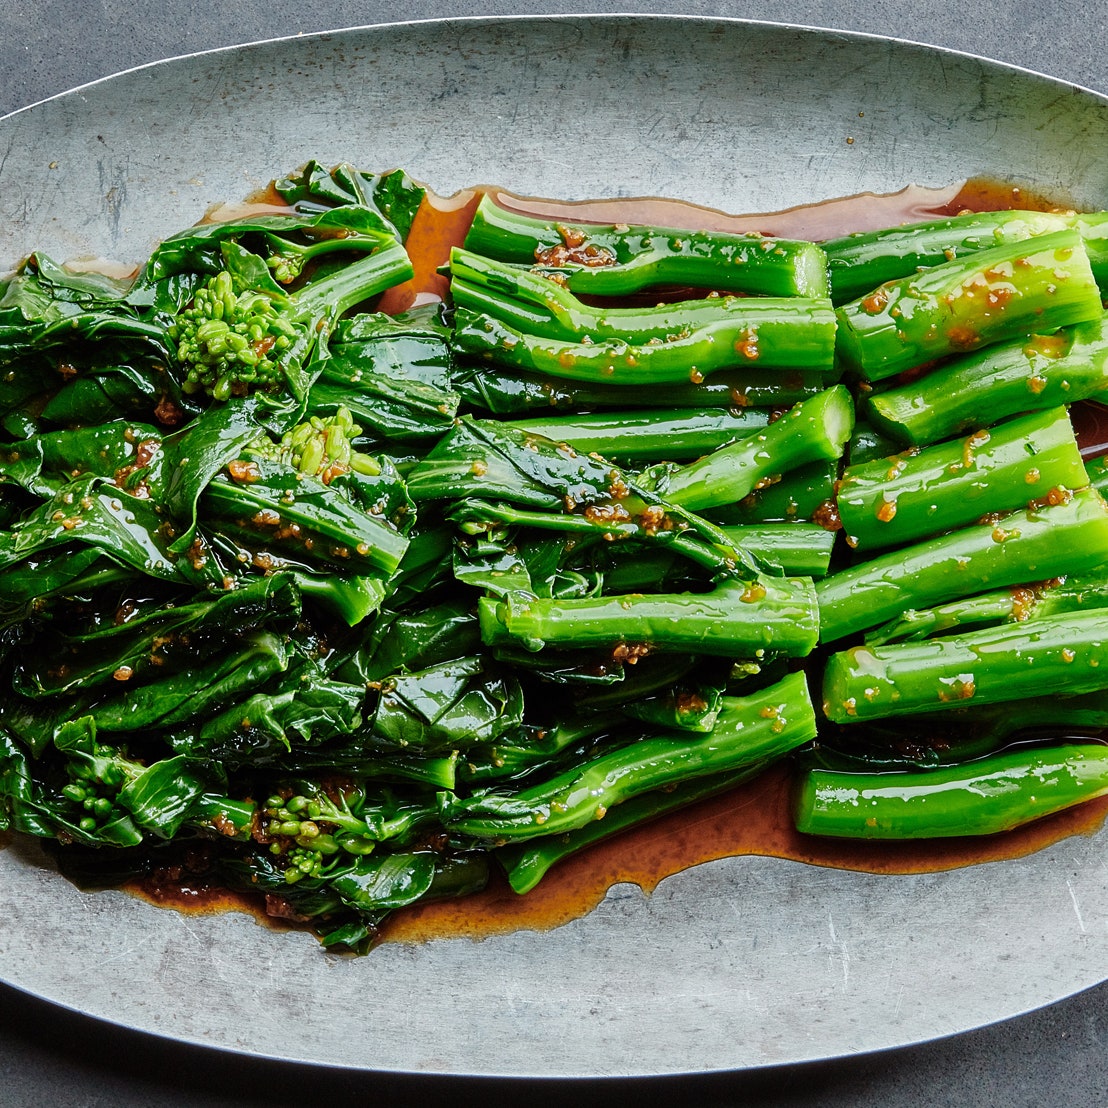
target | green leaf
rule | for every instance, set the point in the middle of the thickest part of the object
(384, 882)
(161, 797)
(453, 705)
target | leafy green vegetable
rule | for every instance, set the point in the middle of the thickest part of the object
(285, 603)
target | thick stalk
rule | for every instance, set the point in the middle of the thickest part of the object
(798, 549)
(1097, 469)
(858, 263)
(1027, 374)
(780, 333)
(750, 730)
(734, 620)
(527, 863)
(530, 302)
(1023, 604)
(1027, 546)
(805, 493)
(502, 390)
(1066, 655)
(1093, 228)
(615, 260)
(650, 436)
(1057, 718)
(347, 287)
(982, 797)
(814, 430)
(955, 308)
(924, 492)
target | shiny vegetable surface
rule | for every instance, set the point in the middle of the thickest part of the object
(1061, 654)
(858, 263)
(918, 493)
(1019, 786)
(617, 260)
(354, 611)
(1033, 544)
(961, 305)
(974, 391)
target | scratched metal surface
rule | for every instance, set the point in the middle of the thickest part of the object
(741, 963)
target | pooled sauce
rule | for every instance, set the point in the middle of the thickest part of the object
(438, 225)
(754, 819)
(829, 219)
(1090, 424)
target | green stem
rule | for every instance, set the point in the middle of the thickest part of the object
(805, 493)
(750, 730)
(650, 436)
(1026, 546)
(779, 333)
(734, 620)
(1028, 374)
(798, 549)
(532, 303)
(332, 296)
(615, 260)
(814, 430)
(983, 797)
(858, 263)
(1067, 654)
(505, 391)
(528, 862)
(1012, 605)
(698, 547)
(955, 308)
(1097, 469)
(868, 443)
(924, 492)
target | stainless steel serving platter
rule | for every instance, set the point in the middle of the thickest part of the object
(739, 963)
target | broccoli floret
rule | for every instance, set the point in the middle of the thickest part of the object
(320, 447)
(232, 326)
(287, 259)
(286, 266)
(307, 830)
(95, 781)
(320, 827)
(110, 797)
(231, 344)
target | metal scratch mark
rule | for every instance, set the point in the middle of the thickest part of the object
(838, 950)
(1076, 908)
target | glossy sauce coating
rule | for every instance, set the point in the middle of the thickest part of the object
(755, 818)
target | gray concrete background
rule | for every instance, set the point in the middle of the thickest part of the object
(56, 1058)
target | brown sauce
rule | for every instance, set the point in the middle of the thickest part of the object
(1090, 424)
(752, 820)
(827, 220)
(440, 223)
(755, 818)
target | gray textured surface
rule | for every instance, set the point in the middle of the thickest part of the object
(52, 45)
(48, 1057)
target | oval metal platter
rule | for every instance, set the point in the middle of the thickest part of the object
(740, 963)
